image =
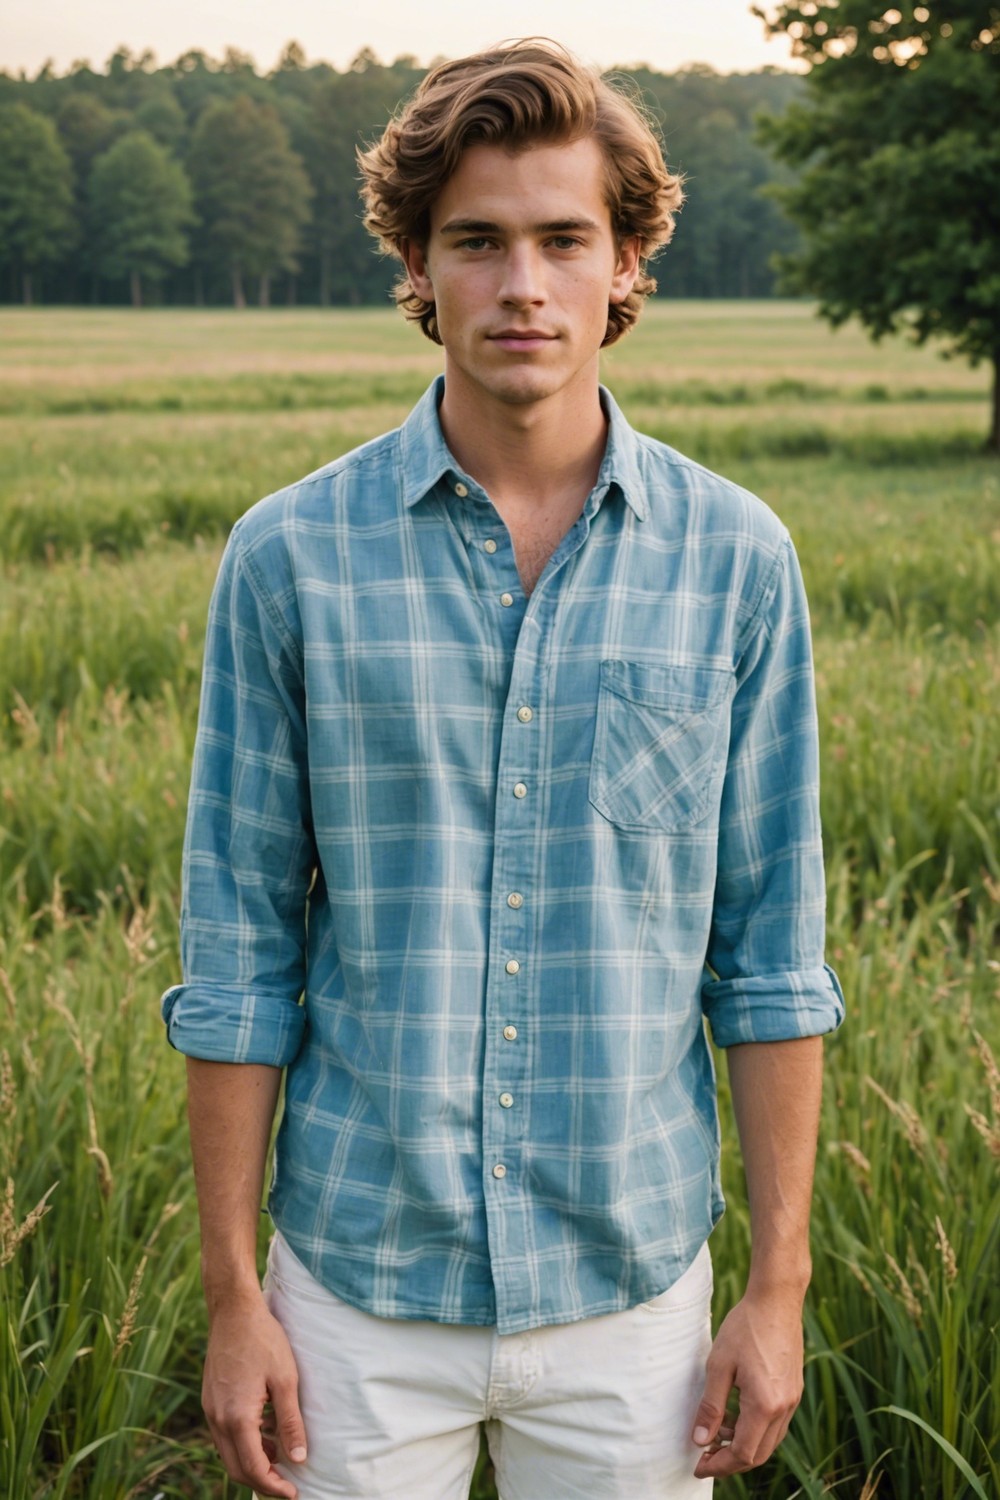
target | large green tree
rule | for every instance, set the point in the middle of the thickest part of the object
(140, 206)
(251, 190)
(36, 194)
(898, 138)
(348, 109)
(86, 128)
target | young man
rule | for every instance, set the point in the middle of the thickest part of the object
(505, 781)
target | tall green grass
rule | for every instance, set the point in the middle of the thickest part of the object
(92, 623)
(98, 1286)
(902, 1316)
(111, 521)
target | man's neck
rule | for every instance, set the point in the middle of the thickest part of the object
(530, 456)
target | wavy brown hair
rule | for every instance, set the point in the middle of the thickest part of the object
(517, 95)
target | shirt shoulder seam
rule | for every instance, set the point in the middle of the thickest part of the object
(758, 619)
(262, 594)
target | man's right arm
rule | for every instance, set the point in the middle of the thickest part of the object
(249, 1362)
(249, 857)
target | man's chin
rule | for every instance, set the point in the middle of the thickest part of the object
(523, 388)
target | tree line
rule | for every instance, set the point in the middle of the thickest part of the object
(206, 181)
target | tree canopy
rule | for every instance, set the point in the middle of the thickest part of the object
(251, 189)
(36, 194)
(140, 202)
(896, 142)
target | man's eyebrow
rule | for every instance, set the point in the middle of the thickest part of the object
(487, 226)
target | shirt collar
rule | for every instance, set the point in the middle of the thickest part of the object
(427, 458)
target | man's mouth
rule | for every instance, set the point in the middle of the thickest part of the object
(522, 338)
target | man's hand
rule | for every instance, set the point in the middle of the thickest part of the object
(250, 1363)
(758, 1349)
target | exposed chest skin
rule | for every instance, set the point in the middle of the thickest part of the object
(536, 533)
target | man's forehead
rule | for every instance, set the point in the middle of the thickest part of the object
(543, 186)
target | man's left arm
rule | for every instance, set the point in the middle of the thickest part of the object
(758, 1349)
(769, 996)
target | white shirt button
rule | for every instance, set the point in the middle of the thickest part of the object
(512, 966)
(461, 490)
(499, 1170)
(520, 790)
(490, 546)
(506, 1100)
(515, 900)
(525, 715)
(506, 600)
(510, 1033)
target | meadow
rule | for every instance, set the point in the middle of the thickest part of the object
(129, 443)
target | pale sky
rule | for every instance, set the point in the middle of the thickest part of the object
(664, 33)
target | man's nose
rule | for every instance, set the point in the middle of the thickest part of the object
(522, 282)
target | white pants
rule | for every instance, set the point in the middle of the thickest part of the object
(600, 1410)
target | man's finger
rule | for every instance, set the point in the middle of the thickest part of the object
(754, 1439)
(774, 1435)
(712, 1406)
(256, 1469)
(288, 1424)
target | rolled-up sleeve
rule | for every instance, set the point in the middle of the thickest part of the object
(249, 853)
(767, 980)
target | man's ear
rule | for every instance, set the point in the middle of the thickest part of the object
(626, 270)
(415, 261)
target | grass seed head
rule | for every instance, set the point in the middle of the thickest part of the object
(8, 990)
(907, 1116)
(13, 1234)
(908, 1296)
(8, 1088)
(991, 1070)
(989, 1132)
(126, 1327)
(947, 1253)
(862, 1166)
(105, 1176)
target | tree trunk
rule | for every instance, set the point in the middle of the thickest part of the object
(264, 291)
(135, 287)
(239, 297)
(292, 291)
(994, 443)
(199, 288)
(27, 291)
(324, 277)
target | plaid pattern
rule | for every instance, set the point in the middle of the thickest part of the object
(511, 852)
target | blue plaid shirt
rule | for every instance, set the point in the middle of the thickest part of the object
(474, 867)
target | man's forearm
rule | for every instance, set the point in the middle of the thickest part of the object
(230, 1110)
(249, 1362)
(776, 1089)
(758, 1349)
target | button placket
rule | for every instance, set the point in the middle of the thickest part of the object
(507, 1053)
(518, 847)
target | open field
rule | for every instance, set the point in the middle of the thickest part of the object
(128, 445)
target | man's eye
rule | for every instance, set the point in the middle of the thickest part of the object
(565, 242)
(474, 242)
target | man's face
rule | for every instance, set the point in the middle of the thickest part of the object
(522, 263)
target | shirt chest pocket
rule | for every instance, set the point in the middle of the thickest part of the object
(660, 744)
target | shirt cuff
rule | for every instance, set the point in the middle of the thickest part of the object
(222, 1024)
(773, 1007)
